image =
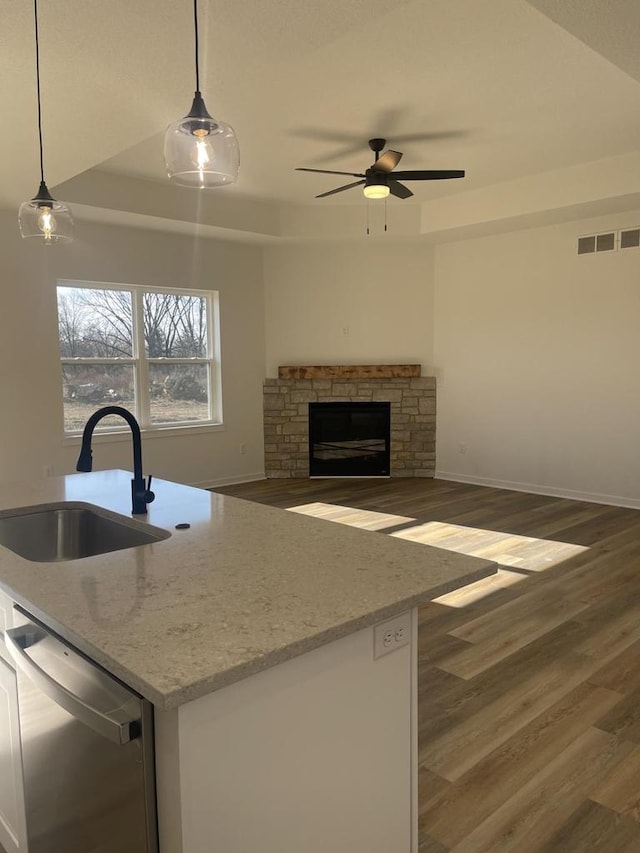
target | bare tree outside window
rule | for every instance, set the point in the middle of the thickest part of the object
(150, 351)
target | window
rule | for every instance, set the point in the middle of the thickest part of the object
(155, 352)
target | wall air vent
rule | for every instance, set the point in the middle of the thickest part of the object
(630, 239)
(586, 245)
(609, 241)
(606, 242)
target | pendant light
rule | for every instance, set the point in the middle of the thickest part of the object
(201, 151)
(43, 216)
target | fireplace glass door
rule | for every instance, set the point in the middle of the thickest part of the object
(349, 439)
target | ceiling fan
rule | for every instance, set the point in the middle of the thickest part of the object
(380, 180)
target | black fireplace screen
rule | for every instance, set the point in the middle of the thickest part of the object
(349, 439)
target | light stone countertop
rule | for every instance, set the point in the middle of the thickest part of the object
(246, 587)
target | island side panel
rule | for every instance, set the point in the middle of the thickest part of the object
(168, 781)
(315, 754)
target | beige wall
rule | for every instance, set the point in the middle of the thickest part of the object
(381, 292)
(31, 431)
(538, 351)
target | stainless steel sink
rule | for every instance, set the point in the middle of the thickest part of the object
(69, 531)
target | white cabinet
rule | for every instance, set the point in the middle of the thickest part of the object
(13, 831)
(6, 621)
(316, 754)
(12, 817)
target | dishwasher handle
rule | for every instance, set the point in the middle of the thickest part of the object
(118, 731)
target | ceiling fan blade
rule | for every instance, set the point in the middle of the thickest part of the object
(399, 190)
(388, 161)
(341, 189)
(329, 172)
(429, 175)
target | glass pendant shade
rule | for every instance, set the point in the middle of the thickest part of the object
(45, 218)
(200, 151)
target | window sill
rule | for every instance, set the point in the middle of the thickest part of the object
(124, 435)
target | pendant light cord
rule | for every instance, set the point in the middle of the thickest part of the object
(35, 14)
(195, 25)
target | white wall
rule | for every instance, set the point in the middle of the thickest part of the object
(539, 353)
(538, 348)
(31, 425)
(381, 291)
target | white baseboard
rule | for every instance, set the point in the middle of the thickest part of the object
(536, 489)
(230, 481)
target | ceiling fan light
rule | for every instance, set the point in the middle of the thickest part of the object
(376, 190)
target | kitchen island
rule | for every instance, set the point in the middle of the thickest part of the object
(252, 633)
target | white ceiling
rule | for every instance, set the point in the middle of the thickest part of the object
(502, 88)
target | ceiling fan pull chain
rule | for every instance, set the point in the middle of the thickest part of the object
(368, 231)
(385, 216)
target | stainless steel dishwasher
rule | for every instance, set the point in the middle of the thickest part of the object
(87, 750)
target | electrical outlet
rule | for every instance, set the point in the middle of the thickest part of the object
(48, 470)
(391, 635)
(243, 449)
(462, 447)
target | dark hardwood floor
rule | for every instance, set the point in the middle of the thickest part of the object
(529, 682)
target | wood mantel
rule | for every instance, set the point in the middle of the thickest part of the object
(349, 371)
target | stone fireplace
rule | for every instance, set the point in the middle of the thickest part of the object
(412, 400)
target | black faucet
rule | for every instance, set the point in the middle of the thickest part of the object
(141, 493)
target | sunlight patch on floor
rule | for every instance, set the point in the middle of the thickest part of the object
(363, 518)
(473, 592)
(520, 552)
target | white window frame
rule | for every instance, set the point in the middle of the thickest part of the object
(140, 361)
